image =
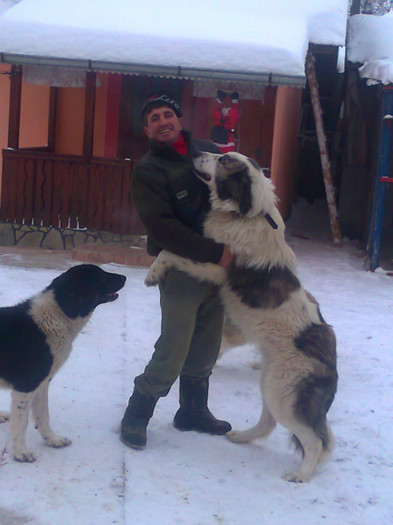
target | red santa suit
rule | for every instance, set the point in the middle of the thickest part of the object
(225, 119)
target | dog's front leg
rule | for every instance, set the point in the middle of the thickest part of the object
(20, 408)
(41, 418)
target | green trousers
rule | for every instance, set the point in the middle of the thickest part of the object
(191, 330)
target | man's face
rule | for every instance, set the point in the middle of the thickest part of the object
(163, 125)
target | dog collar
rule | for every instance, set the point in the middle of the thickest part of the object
(271, 221)
(267, 216)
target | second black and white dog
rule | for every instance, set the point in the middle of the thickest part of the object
(263, 296)
(36, 338)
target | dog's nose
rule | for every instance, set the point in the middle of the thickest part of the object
(223, 160)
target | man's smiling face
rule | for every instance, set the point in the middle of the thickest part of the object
(163, 125)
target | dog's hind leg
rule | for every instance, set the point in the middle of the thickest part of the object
(20, 408)
(263, 428)
(4, 416)
(328, 447)
(311, 447)
(41, 418)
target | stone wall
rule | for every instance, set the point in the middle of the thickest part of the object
(28, 236)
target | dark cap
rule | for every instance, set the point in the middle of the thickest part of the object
(159, 99)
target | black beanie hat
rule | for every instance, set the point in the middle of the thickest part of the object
(158, 99)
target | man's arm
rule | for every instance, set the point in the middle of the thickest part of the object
(155, 209)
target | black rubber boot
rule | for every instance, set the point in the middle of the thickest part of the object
(193, 413)
(135, 420)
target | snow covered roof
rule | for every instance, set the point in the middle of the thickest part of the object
(257, 40)
(370, 42)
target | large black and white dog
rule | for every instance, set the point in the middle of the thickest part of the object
(264, 298)
(36, 338)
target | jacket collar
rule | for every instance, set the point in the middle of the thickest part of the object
(168, 152)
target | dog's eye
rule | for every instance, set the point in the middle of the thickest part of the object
(222, 160)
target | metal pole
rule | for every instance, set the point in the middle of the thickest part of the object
(381, 179)
(322, 143)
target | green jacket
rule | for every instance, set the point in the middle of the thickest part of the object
(172, 202)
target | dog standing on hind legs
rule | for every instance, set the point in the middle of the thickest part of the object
(264, 298)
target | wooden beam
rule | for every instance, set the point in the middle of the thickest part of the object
(52, 119)
(90, 96)
(112, 115)
(15, 104)
(323, 150)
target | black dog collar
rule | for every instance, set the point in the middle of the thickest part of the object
(270, 220)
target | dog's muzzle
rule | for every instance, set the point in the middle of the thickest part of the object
(203, 176)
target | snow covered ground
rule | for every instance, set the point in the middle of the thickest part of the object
(194, 479)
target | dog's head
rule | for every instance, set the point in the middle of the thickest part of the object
(83, 287)
(236, 183)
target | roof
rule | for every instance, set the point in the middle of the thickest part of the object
(259, 40)
(370, 43)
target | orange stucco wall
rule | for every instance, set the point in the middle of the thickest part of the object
(34, 114)
(70, 119)
(70, 108)
(285, 145)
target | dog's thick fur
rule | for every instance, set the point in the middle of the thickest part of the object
(263, 296)
(35, 340)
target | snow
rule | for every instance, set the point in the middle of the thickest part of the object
(266, 37)
(195, 479)
(370, 42)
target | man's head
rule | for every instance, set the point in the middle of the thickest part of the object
(162, 118)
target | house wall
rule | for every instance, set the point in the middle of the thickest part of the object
(70, 109)
(285, 145)
(34, 114)
(267, 131)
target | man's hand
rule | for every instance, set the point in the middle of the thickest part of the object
(226, 257)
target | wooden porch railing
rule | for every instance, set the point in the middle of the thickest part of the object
(47, 189)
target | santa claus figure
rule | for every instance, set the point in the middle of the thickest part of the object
(225, 117)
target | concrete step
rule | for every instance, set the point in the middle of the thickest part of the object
(103, 254)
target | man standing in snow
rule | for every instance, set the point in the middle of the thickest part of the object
(171, 202)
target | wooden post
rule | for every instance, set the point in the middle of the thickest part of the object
(88, 133)
(322, 143)
(52, 119)
(15, 103)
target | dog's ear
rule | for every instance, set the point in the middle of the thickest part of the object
(236, 187)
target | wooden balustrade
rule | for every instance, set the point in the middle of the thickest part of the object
(47, 189)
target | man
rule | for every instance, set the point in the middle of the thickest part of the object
(171, 202)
